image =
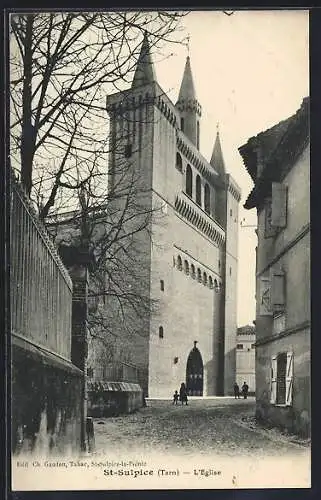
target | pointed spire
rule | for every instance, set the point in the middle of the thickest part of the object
(217, 160)
(187, 90)
(144, 72)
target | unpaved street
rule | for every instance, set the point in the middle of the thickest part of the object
(204, 427)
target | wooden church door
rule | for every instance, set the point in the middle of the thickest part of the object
(194, 373)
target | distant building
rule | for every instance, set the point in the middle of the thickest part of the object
(279, 163)
(245, 357)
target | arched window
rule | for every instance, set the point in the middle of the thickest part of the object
(179, 263)
(186, 267)
(193, 271)
(199, 275)
(161, 332)
(207, 199)
(215, 283)
(204, 279)
(198, 135)
(162, 285)
(182, 124)
(198, 191)
(189, 181)
(179, 163)
(210, 282)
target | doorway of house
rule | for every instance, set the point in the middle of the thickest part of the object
(194, 372)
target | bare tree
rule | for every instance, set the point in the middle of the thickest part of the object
(62, 67)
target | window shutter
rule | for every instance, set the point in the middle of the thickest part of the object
(289, 379)
(274, 367)
(265, 299)
(277, 290)
(279, 204)
(269, 230)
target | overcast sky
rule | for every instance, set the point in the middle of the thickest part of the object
(251, 70)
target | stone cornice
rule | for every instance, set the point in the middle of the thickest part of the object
(203, 222)
(196, 159)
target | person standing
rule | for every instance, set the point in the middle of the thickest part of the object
(236, 391)
(245, 390)
(183, 394)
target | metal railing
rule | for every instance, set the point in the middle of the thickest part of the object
(40, 286)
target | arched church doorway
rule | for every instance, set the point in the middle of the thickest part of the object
(194, 372)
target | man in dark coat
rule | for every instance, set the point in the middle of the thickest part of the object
(183, 394)
(245, 390)
(236, 391)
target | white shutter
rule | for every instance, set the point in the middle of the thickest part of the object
(277, 290)
(289, 379)
(279, 204)
(274, 367)
(264, 295)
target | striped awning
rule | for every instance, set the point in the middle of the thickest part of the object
(108, 386)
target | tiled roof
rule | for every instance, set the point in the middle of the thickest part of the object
(279, 147)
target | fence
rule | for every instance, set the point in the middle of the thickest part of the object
(120, 372)
(40, 287)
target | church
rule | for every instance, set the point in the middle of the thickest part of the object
(187, 261)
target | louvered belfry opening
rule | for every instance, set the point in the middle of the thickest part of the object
(194, 373)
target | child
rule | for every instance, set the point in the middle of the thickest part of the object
(175, 398)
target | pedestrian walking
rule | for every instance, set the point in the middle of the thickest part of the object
(183, 394)
(175, 398)
(245, 390)
(236, 391)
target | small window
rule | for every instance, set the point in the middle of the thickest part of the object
(210, 282)
(162, 285)
(198, 191)
(179, 163)
(239, 346)
(175, 360)
(179, 263)
(90, 372)
(215, 283)
(253, 346)
(189, 181)
(161, 332)
(198, 134)
(186, 267)
(231, 213)
(128, 150)
(230, 271)
(199, 275)
(182, 124)
(282, 379)
(207, 199)
(219, 264)
(204, 279)
(193, 271)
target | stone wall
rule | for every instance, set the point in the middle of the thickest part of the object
(46, 403)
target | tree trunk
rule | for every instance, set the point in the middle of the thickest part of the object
(28, 134)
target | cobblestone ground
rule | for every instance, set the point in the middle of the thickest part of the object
(219, 425)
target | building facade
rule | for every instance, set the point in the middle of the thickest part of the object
(187, 259)
(279, 164)
(245, 357)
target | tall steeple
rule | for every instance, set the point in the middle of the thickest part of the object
(189, 107)
(144, 73)
(187, 90)
(217, 160)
